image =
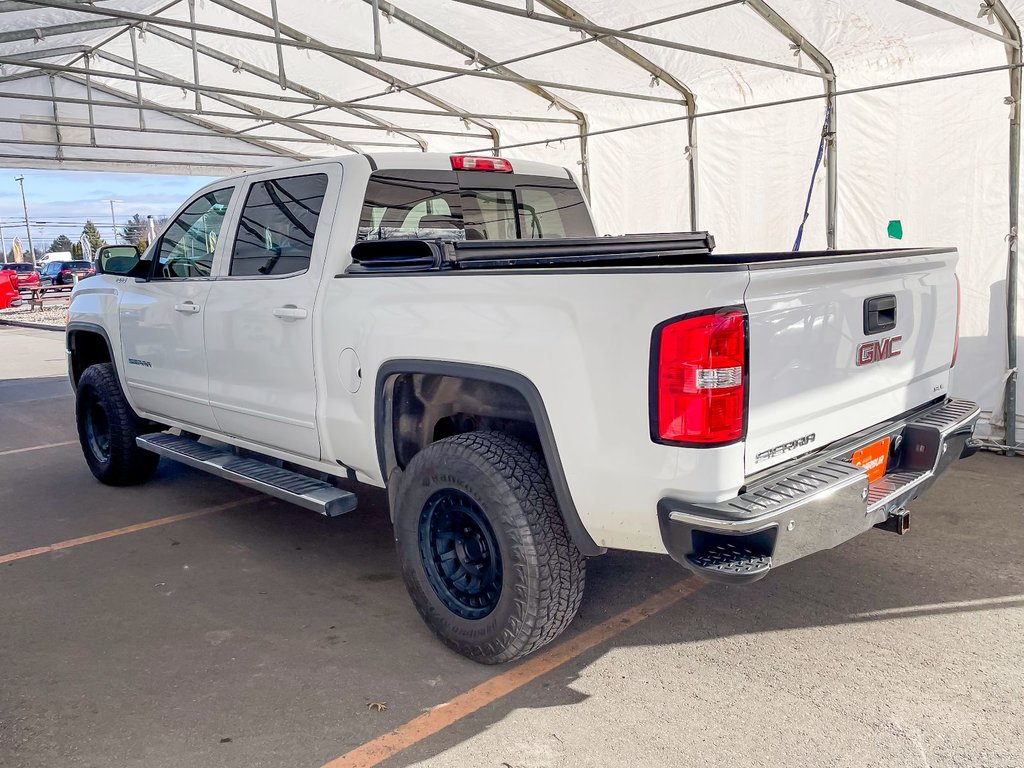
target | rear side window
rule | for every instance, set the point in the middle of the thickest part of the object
(277, 227)
(471, 206)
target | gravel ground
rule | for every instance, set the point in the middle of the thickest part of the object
(55, 315)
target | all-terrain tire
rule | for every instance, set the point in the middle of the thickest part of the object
(107, 428)
(539, 571)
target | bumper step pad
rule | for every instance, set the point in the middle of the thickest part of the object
(259, 475)
(731, 559)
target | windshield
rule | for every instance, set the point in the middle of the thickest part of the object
(471, 206)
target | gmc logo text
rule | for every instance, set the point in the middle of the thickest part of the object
(873, 351)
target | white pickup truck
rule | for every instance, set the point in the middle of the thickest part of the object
(450, 328)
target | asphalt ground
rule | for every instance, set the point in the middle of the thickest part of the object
(243, 631)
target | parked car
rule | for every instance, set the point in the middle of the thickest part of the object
(63, 272)
(450, 328)
(9, 295)
(27, 275)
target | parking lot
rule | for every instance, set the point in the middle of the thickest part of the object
(188, 622)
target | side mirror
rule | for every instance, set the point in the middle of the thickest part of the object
(121, 260)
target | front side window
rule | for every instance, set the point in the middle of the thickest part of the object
(278, 224)
(188, 244)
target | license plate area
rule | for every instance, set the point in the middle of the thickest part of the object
(874, 458)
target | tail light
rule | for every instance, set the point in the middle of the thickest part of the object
(956, 339)
(474, 163)
(65, 271)
(698, 385)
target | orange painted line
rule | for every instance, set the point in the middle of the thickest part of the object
(38, 447)
(440, 717)
(10, 558)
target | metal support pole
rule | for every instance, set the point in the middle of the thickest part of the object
(378, 48)
(1012, 257)
(195, 52)
(56, 121)
(88, 97)
(138, 83)
(28, 229)
(584, 159)
(282, 79)
(3, 242)
(113, 222)
(691, 162)
(1013, 53)
(831, 171)
(152, 228)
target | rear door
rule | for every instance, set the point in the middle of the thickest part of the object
(259, 327)
(161, 318)
(841, 343)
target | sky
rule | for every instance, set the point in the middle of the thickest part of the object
(59, 202)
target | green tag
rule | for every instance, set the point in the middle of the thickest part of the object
(895, 229)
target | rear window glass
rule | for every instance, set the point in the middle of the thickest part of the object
(18, 267)
(546, 211)
(79, 264)
(432, 204)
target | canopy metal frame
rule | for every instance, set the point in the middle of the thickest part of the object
(121, 83)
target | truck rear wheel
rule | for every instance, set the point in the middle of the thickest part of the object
(484, 552)
(107, 428)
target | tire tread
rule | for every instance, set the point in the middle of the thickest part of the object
(555, 568)
(129, 464)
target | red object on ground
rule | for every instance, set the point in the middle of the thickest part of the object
(9, 296)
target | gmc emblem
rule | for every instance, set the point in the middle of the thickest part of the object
(873, 351)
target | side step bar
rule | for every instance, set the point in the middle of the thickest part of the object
(283, 484)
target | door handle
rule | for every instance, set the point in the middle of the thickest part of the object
(187, 307)
(291, 312)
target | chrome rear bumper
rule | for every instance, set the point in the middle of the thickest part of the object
(819, 504)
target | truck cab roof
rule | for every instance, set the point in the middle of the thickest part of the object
(425, 161)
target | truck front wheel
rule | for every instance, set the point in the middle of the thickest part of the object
(107, 428)
(484, 552)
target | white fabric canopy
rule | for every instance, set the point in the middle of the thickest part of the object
(124, 85)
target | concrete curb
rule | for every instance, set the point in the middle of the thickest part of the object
(36, 326)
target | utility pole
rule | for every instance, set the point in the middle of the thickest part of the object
(113, 223)
(28, 229)
(3, 243)
(152, 228)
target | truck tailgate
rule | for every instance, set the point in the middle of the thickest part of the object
(820, 369)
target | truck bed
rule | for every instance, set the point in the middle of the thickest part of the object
(674, 249)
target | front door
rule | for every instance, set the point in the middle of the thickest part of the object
(259, 327)
(164, 356)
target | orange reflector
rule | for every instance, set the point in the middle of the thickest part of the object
(874, 458)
